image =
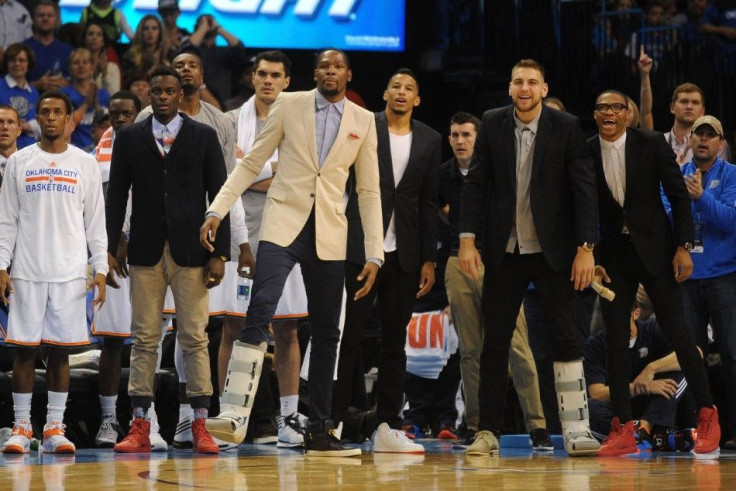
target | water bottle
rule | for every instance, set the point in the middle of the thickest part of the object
(244, 284)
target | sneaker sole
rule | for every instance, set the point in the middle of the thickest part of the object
(349, 452)
(265, 440)
(476, 452)
(182, 445)
(545, 448)
(15, 450)
(282, 444)
(132, 450)
(62, 450)
(706, 456)
(405, 452)
(207, 452)
(105, 444)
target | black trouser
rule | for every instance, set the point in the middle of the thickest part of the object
(432, 402)
(396, 291)
(626, 271)
(503, 292)
(323, 281)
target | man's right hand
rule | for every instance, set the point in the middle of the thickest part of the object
(645, 62)
(5, 286)
(469, 258)
(115, 269)
(369, 273)
(208, 232)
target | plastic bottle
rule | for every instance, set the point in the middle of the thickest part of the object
(244, 285)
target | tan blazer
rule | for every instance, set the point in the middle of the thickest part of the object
(300, 184)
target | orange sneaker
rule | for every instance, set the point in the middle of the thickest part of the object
(54, 440)
(202, 441)
(137, 440)
(620, 441)
(20, 440)
(709, 434)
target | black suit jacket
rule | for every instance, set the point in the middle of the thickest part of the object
(413, 199)
(562, 193)
(649, 162)
(170, 193)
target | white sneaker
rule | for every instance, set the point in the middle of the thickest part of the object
(107, 436)
(20, 439)
(158, 444)
(54, 440)
(223, 445)
(291, 430)
(183, 437)
(5, 434)
(389, 440)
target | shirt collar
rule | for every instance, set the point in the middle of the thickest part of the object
(12, 84)
(323, 103)
(614, 145)
(173, 125)
(532, 125)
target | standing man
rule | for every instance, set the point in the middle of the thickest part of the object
(51, 208)
(710, 292)
(639, 245)
(465, 296)
(531, 167)
(409, 157)
(173, 166)
(320, 137)
(10, 130)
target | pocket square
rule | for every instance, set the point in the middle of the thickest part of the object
(353, 136)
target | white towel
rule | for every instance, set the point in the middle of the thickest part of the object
(247, 135)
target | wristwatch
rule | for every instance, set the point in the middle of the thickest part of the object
(223, 259)
(588, 246)
(688, 246)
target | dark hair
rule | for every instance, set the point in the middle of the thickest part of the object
(529, 63)
(554, 100)
(462, 117)
(324, 50)
(136, 76)
(127, 95)
(55, 94)
(406, 71)
(164, 71)
(11, 108)
(189, 49)
(274, 56)
(617, 92)
(106, 41)
(14, 50)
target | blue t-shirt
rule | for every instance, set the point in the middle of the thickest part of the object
(24, 101)
(82, 135)
(47, 57)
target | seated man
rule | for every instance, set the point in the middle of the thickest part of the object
(657, 383)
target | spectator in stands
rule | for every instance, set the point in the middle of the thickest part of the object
(710, 292)
(52, 56)
(100, 124)
(49, 300)
(17, 92)
(147, 50)
(16, 22)
(10, 130)
(612, 33)
(86, 97)
(174, 35)
(690, 33)
(720, 19)
(139, 85)
(106, 73)
(633, 118)
(656, 383)
(112, 20)
(245, 86)
(552, 102)
(217, 61)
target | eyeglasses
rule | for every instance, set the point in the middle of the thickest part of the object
(616, 107)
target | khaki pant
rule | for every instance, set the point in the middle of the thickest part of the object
(465, 296)
(148, 289)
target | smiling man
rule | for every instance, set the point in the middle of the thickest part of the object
(639, 245)
(531, 175)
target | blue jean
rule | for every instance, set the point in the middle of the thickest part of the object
(714, 300)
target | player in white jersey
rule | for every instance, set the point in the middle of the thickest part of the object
(51, 213)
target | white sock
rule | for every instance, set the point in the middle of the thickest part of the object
(107, 406)
(289, 405)
(56, 406)
(22, 406)
(185, 412)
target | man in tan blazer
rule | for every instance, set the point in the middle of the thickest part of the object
(320, 135)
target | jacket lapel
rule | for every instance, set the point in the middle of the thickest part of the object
(308, 115)
(540, 141)
(384, 149)
(147, 135)
(509, 145)
(629, 155)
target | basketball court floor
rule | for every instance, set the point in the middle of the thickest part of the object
(255, 467)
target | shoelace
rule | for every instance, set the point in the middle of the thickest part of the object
(137, 428)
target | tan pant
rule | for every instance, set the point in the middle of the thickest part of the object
(148, 289)
(464, 295)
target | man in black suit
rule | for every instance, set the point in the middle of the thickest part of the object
(174, 165)
(531, 172)
(409, 156)
(640, 245)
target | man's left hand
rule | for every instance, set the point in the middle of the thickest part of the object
(426, 279)
(582, 269)
(369, 273)
(214, 270)
(694, 184)
(99, 281)
(682, 264)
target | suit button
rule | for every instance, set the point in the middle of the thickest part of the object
(166, 195)
(164, 171)
(318, 174)
(311, 195)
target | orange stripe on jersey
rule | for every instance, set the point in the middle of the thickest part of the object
(66, 179)
(39, 178)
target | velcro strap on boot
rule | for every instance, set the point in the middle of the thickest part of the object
(249, 367)
(236, 399)
(570, 385)
(579, 414)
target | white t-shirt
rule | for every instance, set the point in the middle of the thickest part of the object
(400, 150)
(51, 213)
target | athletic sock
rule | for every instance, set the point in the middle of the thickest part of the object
(107, 406)
(289, 405)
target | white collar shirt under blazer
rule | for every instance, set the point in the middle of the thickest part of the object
(51, 213)
(301, 184)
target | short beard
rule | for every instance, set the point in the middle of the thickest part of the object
(190, 89)
(328, 92)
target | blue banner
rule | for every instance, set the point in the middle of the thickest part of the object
(362, 25)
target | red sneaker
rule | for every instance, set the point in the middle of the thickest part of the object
(202, 441)
(709, 434)
(447, 432)
(137, 440)
(620, 441)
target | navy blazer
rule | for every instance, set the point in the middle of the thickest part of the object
(170, 194)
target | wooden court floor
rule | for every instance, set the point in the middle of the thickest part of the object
(255, 467)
